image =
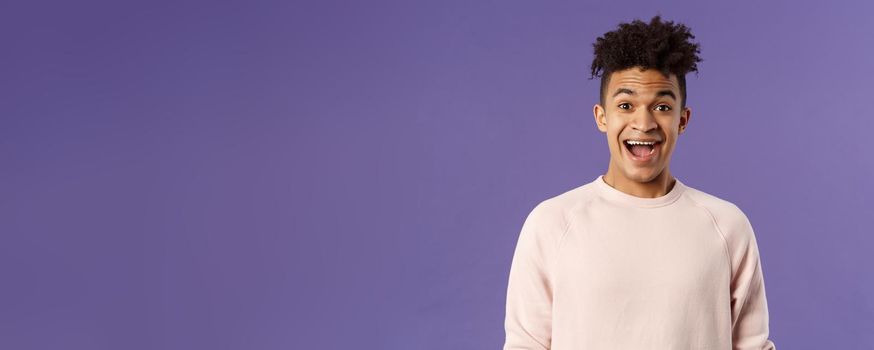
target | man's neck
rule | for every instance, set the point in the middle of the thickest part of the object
(657, 187)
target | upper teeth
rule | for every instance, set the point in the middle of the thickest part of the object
(632, 142)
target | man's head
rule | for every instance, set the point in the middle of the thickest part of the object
(643, 94)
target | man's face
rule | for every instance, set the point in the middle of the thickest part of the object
(641, 105)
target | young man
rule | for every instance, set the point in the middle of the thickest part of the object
(636, 259)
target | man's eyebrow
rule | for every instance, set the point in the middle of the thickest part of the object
(623, 91)
(666, 93)
(658, 94)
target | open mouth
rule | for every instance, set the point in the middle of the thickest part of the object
(642, 150)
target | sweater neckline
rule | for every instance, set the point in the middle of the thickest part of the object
(617, 196)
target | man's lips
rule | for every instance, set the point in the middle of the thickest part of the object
(644, 139)
(656, 150)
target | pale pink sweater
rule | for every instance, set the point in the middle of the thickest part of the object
(596, 268)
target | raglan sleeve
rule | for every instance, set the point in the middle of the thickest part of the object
(528, 320)
(749, 305)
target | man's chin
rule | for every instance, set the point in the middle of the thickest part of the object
(642, 175)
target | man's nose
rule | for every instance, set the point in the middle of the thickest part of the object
(644, 121)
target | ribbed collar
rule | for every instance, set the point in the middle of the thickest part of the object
(622, 198)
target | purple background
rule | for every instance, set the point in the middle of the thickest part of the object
(233, 175)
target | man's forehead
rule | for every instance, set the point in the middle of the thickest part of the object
(638, 76)
(642, 80)
(635, 82)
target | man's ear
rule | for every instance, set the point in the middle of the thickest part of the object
(600, 117)
(684, 119)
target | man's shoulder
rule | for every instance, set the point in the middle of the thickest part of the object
(569, 198)
(712, 202)
(557, 210)
(550, 218)
(727, 216)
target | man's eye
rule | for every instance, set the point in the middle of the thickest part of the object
(623, 104)
(667, 108)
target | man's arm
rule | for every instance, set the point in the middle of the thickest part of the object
(528, 322)
(749, 306)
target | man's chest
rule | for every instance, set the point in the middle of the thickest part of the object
(655, 255)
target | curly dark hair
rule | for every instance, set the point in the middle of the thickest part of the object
(664, 46)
